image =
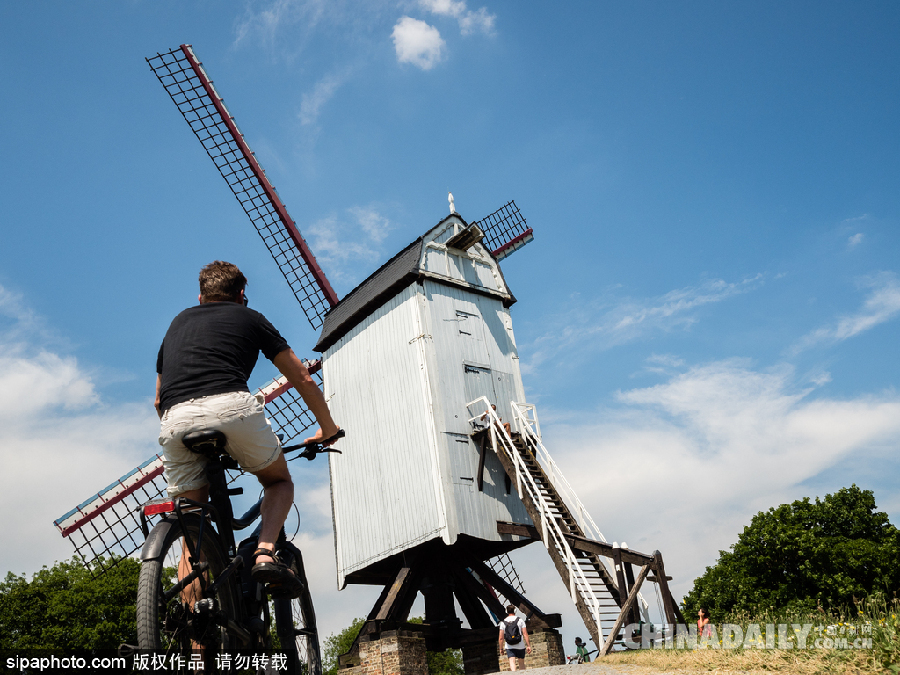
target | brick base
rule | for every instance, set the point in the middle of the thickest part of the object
(480, 659)
(546, 650)
(393, 653)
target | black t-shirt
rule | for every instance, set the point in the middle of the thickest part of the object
(212, 349)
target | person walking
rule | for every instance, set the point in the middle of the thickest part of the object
(512, 634)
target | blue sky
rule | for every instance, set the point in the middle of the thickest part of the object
(707, 317)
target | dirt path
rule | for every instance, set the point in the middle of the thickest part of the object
(590, 669)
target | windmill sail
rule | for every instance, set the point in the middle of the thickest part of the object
(106, 527)
(183, 77)
(505, 230)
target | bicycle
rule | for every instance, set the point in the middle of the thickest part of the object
(195, 542)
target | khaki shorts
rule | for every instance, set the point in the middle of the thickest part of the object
(238, 414)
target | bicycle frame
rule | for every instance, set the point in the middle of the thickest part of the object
(229, 597)
(216, 521)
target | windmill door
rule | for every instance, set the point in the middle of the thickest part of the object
(479, 382)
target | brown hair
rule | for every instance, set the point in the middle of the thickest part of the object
(221, 281)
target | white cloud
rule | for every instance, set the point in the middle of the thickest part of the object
(343, 242)
(598, 325)
(882, 304)
(265, 24)
(312, 102)
(662, 363)
(683, 466)
(372, 222)
(855, 240)
(33, 384)
(469, 21)
(418, 43)
(59, 441)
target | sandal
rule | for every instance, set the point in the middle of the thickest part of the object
(276, 576)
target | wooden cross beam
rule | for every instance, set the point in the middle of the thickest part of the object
(626, 610)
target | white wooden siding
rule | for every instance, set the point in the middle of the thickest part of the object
(386, 487)
(472, 354)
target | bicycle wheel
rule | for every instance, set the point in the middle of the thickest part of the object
(295, 623)
(170, 624)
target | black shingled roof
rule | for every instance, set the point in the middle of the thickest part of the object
(383, 284)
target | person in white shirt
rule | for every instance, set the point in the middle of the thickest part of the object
(513, 634)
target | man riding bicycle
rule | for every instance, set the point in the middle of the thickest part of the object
(203, 365)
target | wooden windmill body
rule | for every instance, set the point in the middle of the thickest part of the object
(403, 354)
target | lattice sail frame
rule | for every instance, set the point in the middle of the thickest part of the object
(505, 230)
(106, 527)
(184, 79)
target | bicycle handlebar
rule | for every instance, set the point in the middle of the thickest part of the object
(313, 448)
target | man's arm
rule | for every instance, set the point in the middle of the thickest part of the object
(297, 374)
(501, 639)
(527, 639)
(156, 402)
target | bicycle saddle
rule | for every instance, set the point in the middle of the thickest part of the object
(204, 441)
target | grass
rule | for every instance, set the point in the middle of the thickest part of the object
(876, 619)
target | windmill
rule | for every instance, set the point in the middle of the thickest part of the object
(432, 491)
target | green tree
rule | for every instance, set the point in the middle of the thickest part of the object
(447, 662)
(62, 608)
(802, 555)
(337, 644)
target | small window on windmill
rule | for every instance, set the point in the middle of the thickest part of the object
(486, 275)
(469, 272)
(465, 322)
(436, 260)
(455, 266)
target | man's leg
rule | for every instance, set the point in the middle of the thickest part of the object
(512, 662)
(278, 498)
(193, 592)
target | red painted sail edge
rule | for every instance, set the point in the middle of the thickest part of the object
(108, 504)
(515, 240)
(311, 366)
(286, 219)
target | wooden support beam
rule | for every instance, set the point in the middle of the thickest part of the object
(482, 451)
(396, 603)
(518, 529)
(604, 549)
(619, 568)
(626, 610)
(467, 594)
(673, 614)
(525, 606)
(629, 578)
(469, 584)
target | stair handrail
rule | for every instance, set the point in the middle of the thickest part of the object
(524, 425)
(549, 526)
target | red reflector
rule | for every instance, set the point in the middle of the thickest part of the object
(159, 507)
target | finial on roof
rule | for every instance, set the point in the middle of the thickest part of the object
(450, 199)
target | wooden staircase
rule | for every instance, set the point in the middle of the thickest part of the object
(571, 537)
(593, 589)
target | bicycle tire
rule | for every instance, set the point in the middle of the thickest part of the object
(295, 623)
(165, 625)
